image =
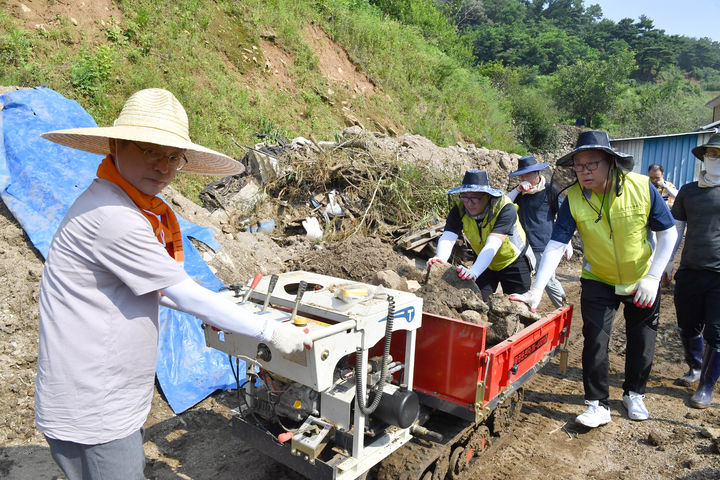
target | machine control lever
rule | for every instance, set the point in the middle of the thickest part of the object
(254, 284)
(301, 291)
(271, 287)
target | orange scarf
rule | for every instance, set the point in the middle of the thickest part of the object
(166, 228)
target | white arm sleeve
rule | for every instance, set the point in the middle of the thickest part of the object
(680, 227)
(663, 251)
(446, 242)
(512, 194)
(550, 260)
(492, 245)
(216, 310)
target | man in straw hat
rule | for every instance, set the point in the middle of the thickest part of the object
(116, 250)
(537, 202)
(697, 281)
(612, 209)
(489, 221)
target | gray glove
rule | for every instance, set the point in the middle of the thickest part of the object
(288, 338)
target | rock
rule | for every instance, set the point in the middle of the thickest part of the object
(502, 328)
(656, 438)
(413, 285)
(390, 279)
(710, 432)
(473, 316)
(501, 305)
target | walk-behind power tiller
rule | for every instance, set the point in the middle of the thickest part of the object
(431, 396)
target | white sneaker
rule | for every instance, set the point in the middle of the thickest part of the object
(595, 415)
(635, 406)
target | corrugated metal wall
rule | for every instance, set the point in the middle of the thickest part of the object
(634, 147)
(673, 152)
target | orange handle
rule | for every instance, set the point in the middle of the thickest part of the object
(256, 280)
(285, 436)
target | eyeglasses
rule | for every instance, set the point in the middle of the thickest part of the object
(471, 200)
(590, 166)
(175, 161)
(711, 156)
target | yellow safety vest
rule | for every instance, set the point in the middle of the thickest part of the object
(616, 247)
(512, 246)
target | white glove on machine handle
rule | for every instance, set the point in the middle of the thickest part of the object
(216, 310)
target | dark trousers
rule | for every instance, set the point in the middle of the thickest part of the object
(697, 304)
(599, 303)
(515, 278)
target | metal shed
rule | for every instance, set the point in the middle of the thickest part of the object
(672, 152)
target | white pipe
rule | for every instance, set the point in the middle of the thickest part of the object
(331, 330)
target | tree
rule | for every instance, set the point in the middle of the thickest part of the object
(671, 105)
(590, 88)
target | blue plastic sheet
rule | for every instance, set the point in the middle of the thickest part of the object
(39, 180)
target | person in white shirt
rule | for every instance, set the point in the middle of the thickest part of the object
(116, 256)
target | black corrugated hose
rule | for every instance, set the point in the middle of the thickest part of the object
(378, 388)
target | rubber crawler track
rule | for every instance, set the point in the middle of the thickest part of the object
(413, 461)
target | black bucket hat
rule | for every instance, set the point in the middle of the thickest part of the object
(713, 141)
(596, 140)
(475, 181)
(527, 164)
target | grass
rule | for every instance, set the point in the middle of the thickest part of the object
(198, 49)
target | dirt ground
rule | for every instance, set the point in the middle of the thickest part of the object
(677, 442)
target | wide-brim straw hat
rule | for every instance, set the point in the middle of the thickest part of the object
(596, 140)
(713, 141)
(152, 116)
(475, 181)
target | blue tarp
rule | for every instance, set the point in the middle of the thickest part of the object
(39, 180)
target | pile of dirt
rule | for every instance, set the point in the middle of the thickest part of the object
(20, 271)
(357, 258)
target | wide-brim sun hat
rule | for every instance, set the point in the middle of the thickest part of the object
(527, 164)
(596, 140)
(713, 141)
(152, 116)
(475, 181)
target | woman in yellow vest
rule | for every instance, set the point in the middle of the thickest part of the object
(490, 222)
(613, 209)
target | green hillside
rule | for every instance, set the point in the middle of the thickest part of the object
(498, 73)
(220, 58)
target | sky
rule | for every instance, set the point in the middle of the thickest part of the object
(692, 18)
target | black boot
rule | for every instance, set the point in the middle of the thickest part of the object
(708, 377)
(693, 347)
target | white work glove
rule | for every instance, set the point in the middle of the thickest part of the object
(532, 298)
(568, 251)
(646, 291)
(467, 273)
(289, 338)
(524, 187)
(431, 261)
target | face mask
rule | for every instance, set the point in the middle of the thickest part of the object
(712, 169)
(712, 165)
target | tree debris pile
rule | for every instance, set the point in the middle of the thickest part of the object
(365, 182)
